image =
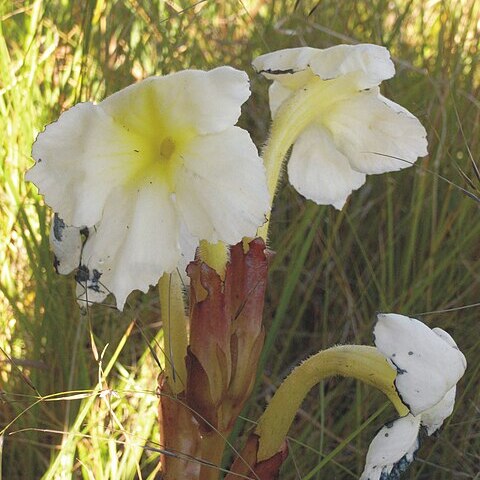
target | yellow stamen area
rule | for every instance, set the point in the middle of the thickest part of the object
(159, 159)
(356, 361)
(167, 149)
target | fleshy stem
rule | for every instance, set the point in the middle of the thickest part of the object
(212, 451)
(305, 107)
(172, 310)
(356, 361)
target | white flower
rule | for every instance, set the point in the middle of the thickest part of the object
(150, 171)
(429, 365)
(348, 128)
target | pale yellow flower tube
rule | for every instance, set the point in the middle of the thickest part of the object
(357, 361)
(292, 118)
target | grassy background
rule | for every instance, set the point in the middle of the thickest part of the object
(406, 242)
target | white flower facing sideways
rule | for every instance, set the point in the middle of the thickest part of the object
(429, 365)
(340, 126)
(145, 175)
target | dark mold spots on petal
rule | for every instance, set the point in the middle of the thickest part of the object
(58, 227)
(90, 280)
(399, 468)
(410, 352)
(85, 232)
(400, 371)
(83, 274)
(288, 71)
(135, 150)
(94, 283)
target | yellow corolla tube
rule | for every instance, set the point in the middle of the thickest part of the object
(356, 361)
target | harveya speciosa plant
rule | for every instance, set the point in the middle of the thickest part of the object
(156, 185)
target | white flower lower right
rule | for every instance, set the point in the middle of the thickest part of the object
(429, 365)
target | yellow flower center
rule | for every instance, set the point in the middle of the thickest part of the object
(158, 159)
(158, 140)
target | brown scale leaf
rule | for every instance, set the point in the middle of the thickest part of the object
(246, 463)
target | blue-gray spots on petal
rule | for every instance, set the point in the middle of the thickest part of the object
(89, 280)
(83, 274)
(400, 371)
(58, 227)
(398, 469)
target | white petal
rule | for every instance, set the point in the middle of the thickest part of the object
(80, 159)
(446, 337)
(288, 66)
(136, 242)
(221, 189)
(370, 63)
(207, 101)
(427, 365)
(284, 62)
(66, 244)
(434, 417)
(188, 248)
(376, 134)
(392, 450)
(319, 171)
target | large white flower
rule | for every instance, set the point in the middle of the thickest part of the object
(148, 172)
(429, 365)
(343, 127)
